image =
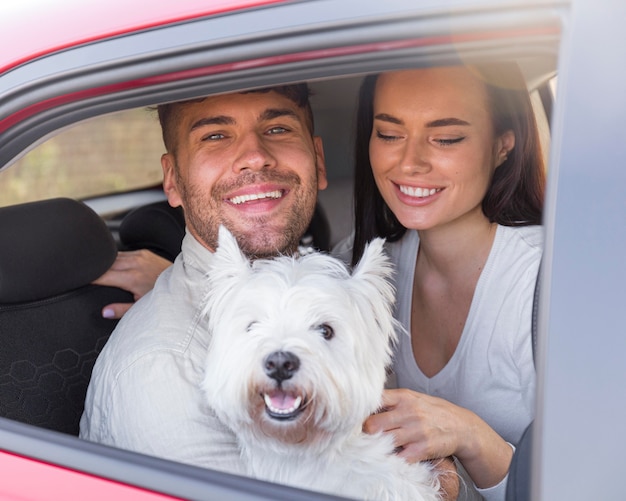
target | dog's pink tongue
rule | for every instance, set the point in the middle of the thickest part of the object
(281, 400)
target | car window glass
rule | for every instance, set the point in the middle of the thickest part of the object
(543, 125)
(553, 82)
(105, 155)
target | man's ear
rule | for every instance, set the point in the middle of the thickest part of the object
(168, 164)
(320, 163)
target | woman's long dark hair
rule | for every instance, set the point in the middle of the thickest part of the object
(515, 195)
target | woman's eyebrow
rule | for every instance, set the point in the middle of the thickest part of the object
(388, 118)
(440, 122)
(444, 122)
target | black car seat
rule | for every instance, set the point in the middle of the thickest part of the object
(518, 486)
(51, 329)
(160, 228)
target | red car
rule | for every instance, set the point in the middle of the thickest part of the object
(69, 63)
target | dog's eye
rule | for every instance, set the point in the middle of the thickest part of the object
(250, 326)
(326, 331)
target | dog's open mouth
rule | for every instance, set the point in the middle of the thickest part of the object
(280, 404)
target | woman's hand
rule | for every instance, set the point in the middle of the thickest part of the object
(134, 271)
(448, 478)
(426, 427)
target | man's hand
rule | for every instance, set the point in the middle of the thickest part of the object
(134, 271)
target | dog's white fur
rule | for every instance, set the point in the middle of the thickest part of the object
(291, 306)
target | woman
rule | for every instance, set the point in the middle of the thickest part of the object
(449, 169)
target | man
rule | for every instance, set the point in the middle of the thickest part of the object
(248, 161)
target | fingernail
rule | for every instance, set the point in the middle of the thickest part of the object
(108, 313)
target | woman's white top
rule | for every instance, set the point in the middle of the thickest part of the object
(491, 372)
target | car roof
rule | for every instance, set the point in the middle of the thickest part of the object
(54, 26)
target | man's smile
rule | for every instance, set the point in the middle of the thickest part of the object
(240, 199)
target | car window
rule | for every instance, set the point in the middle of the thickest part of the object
(105, 155)
(109, 160)
(543, 124)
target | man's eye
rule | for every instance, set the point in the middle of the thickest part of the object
(277, 130)
(213, 137)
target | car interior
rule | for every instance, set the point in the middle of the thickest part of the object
(52, 332)
(48, 269)
(47, 301)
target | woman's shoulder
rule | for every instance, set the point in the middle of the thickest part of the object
(397, 250)
(343, 249)
(519, 253)
(530, 237)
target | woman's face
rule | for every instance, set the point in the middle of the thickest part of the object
(432, 148)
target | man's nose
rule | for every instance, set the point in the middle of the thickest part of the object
(252, 153)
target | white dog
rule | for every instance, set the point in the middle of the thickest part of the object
(297, 362)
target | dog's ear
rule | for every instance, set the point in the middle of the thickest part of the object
(374, 262)
(228, 268)
(372, 278)
(375, 269)
(228, 260)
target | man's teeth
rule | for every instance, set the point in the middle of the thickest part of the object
(268, 403)
(418, 192)
(255, 196)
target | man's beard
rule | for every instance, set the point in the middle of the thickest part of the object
(258, 236)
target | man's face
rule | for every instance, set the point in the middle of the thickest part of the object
(249, 162)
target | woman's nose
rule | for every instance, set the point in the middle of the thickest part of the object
(415, 158)
(252, 154)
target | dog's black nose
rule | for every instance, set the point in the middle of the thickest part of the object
(281, 365)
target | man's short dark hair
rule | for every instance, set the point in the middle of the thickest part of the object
(169, 112)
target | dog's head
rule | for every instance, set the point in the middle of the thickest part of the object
(299, 346)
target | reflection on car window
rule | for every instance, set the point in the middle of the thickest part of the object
(107, 154)
(553, 86)
(543, 126)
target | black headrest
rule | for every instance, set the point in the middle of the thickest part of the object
(158, 227)
(51, 247)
